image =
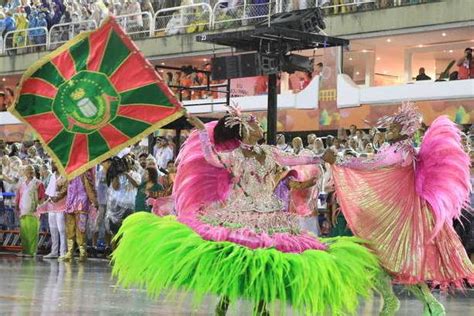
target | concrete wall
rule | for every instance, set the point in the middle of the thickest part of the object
(399, 20)
(423, 17)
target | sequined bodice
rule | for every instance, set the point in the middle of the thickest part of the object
(251, 203)
(254, 183)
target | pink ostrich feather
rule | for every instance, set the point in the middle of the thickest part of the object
(443, 172)
(198, 183)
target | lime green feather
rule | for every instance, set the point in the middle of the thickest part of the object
(165, 256)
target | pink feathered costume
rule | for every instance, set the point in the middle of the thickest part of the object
(192, 194)
(404, 203)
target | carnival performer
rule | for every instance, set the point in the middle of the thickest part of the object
(404, 204)
(232, 236)
(298, 189)
(55, 207)
(81, 197)
(30, 194)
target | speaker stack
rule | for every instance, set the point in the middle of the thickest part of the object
(236, 66)
(308, 20)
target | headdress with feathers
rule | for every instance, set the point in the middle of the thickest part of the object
(408, 116)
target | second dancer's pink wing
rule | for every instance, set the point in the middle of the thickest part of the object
(442, 172)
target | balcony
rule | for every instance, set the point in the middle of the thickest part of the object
(344, 18)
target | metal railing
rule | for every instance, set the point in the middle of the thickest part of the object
(61, 33)
(192, 18)
(242, 14)
(25, 40)
(137, 25)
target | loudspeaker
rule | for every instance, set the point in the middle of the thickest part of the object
(249, 65)
(224, 67)
(237, 66)
(308, 20)
(292, 63)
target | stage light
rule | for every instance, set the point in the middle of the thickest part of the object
(389, 40)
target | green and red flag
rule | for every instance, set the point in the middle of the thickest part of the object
(93, 97)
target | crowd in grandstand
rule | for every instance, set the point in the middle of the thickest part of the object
(39, 14)
(158, 165)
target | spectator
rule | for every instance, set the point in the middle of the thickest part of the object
(151, 163)
(122, 182)
(261, 85)
(169, 78)
(20, 38)
(98, 229)
(369, 149)
(282, 145)
(337, 145)
(135, 21)
(10, 25)
(466, 65)
(341, 133)
(142, 162)
(39, 149)
(40, 34)
(148, 7)
(58, 9)
(297, 144)
(318, 70)
(3, 103)
(149, 188)
(2, 29)
(310, 139)
(163, 153)
(318, 146)
(305, 79)
(353, 144)
(352, 130)
(33, 154)
(186, 82)
(170, 177)
(421, 75)
(378, 140)
(9, 97)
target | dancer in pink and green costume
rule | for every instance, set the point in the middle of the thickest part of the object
(232, 236)
(403, 202)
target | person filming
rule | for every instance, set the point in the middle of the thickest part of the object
(465, 65)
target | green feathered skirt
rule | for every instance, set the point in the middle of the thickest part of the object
(164, 255)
